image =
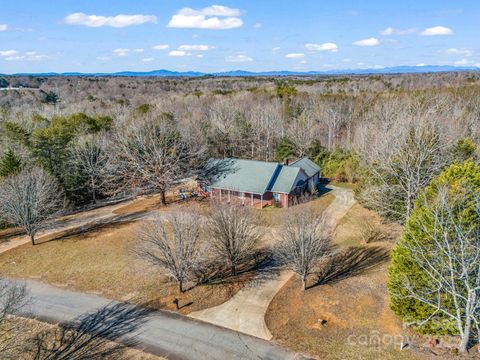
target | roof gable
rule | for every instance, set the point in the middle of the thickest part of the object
(307, 165)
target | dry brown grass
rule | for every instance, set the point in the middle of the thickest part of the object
(101, 262)
(271, 216)
(352, 300)
(31, 327)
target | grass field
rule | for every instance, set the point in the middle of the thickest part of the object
(102, 262)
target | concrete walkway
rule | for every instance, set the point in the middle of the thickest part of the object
(245, 312)
(161, 333)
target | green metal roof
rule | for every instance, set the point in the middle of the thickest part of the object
(246, 175)
(258, 177)
(286, 179)
(307, 165)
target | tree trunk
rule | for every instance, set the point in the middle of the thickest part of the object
(180, 286)
(94, 198)
(163, 198)
(32, 239)
(463, 347)
(234, 270)
(304, 283)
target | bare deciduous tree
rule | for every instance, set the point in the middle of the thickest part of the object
(450, 261)
(152, 155)
(28, 199)
(12, 298)
(304, 240)
(175, 246)
(89, 155)
(233, 233)
(401, 163)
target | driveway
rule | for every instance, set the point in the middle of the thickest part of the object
(163, 333)
(245, 312)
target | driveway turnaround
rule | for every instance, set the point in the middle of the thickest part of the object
(245, 312)
(163, 333)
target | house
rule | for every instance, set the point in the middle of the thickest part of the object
(261, 183)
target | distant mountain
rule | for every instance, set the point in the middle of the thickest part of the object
(243, 73)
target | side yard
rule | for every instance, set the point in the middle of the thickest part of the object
(345, 312)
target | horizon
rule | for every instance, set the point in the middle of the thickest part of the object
(215, 37)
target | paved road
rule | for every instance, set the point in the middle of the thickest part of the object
(245, 312)
(164, 334)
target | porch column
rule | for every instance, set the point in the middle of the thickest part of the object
(220, 194)
(228, 195)
(251, 197)
(261, 201)
(243, 198)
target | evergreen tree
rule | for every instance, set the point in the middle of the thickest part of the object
(10, 163)
(460, 184)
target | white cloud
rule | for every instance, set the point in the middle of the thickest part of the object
(462, 62)
(436, 31)
(392, 31)
(138, 50)
(4, 53)
(13, 55)
(464, 51)
(367, 42)
(257, 25)
(160, 47)
(3, 27)
(178, 53)
(295, 56)
(303, 62)
(276, 49)
(322, 47)
(195, 47)
(149, 59)
(215, 17)
(238, 58)
(121, 52)
(118, 21)
(103, 58)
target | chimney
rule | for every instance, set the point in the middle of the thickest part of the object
(285, 161)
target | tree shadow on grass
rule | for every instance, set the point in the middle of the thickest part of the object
(350, 262)
(258, 267)
(102, 334)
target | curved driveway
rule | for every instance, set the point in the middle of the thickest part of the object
(245, 312)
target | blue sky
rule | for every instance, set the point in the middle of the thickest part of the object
(301, 35)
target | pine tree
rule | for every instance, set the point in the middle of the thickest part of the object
(10, 163)
(461, 181)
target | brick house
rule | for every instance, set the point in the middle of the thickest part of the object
(261, 183)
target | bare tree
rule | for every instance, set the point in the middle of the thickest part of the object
(234, 235)
(90, 157)
(304, 240)
(28, 199)
(450, 262)
(174, 246)
(401, 163)
(13, 297)
(151, 155)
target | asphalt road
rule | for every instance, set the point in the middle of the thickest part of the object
(163, 333)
